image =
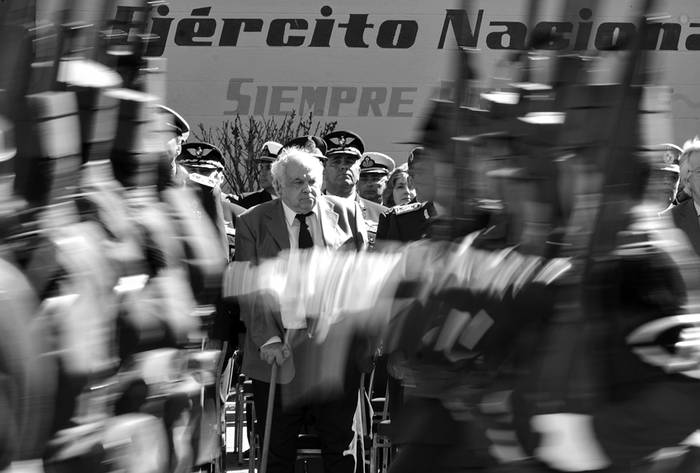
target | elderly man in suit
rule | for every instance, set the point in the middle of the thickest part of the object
(685, 214)
(301, 218)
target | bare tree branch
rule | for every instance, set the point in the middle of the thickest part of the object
(240, 142)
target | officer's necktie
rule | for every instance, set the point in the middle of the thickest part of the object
(305, 240)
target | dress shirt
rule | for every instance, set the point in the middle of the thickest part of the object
(293, 224)
(312, 221)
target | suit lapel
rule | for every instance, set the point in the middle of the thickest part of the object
(362, 205)
(329, 221)
(278, 225)
(691, 224)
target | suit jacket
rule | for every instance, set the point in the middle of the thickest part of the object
(261, 233)
(255, 198)
(686, 218)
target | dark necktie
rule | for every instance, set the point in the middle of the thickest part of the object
(305, 240)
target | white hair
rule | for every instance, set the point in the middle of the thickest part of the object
(301, 157)
(689, 147)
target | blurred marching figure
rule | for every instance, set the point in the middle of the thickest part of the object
(118, 271)
(627, 386)
(267, 156)
(442, 340)
(60, 254)
(589, 332)
(300, 218)
(27, 368)
(374, 172)
(606, 380)
(406, 223)
(399, 188)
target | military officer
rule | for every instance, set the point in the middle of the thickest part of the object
(204, 164)
(267, 156)
(204, 159)
(344, 151)
(374, 172)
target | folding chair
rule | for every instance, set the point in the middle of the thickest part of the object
(239, 412)
(380, 451)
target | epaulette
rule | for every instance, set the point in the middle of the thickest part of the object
(402, 209)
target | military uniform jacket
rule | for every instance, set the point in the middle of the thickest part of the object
(406, 223)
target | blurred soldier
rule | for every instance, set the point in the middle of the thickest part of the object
(342, 172)
(267, 156)
(430, 432)
(171, 174)
(412, 221)
(374, 173)
(629, 389)
(685, 214)
(405, 223)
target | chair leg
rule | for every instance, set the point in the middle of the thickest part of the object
(385, 458)
(239, 416)
(252, 440)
